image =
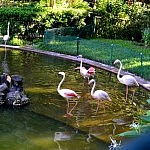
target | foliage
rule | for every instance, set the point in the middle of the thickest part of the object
(146, 36)
(121, 21)
(114, 19)
(22, 20)
(139, 128)
(28, 22)
(65, 17)
(80, 4)
(16, 41)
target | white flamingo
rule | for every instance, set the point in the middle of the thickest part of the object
(98, 94)
(5, 38)
(67, 94)
(127, 80)
(86, 73)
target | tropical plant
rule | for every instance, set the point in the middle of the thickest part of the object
(139, 128)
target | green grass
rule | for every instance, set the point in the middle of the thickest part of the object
(105, 51)
(135, 46)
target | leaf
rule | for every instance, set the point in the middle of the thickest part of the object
(145, 118)
(144, 126)
(129, 134)
(148, 100)
(148, 112)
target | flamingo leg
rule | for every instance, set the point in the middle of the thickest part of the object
(73, 108)
(126, 92)
(5, 51)
(83, 83)
(133, 94)
(104, 108)
(68, 105)
(98, 106)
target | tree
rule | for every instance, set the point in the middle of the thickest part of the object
(52, 3)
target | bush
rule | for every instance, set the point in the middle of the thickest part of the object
(121, 21)
(16, 41)
(146, 36)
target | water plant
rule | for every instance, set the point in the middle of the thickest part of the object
(114, 145)
(138, 128)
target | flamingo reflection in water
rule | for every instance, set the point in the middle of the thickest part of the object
(67, 94)
(61, 136)
(127, 80)
(4, 63)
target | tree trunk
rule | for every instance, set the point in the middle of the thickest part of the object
(52, 3)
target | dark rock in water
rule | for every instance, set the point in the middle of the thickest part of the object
(17, 83)
(122, 121)
(12, 95)
(119, 121)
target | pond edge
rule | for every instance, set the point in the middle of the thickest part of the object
(96, 64)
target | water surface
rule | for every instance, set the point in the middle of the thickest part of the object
(41, 79)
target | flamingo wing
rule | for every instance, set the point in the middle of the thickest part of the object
(67, 93)
(101, 95)
(6, 37)
(83, 72)
(129, 80)
(91, 70)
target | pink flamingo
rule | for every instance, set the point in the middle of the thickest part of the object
(86, 73)
(98, 94)
(67, 94)
(127, 80)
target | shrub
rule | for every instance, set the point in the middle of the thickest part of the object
(16, 41)
(118, 20)
(146, 36)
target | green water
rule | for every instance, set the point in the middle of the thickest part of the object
(26, 130)
(34, 126)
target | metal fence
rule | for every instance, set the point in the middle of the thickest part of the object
(134, 62)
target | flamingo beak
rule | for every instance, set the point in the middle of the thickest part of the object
(89, 84)
(109, 99)
(77, 68)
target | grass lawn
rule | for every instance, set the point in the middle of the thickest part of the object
(105, 51)
(135, 46)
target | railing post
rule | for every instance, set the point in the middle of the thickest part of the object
(78, 45)
(111, 53)
(141, 60)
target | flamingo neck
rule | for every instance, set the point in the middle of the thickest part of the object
(92, 90)
(8, 30)
(118, 75)
(58, 88)
(81, 63)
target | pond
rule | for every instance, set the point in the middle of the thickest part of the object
(26, 130)
(35, 126)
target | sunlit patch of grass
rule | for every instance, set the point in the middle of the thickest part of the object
(136, 64)
(105, 51)
(128, 44)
